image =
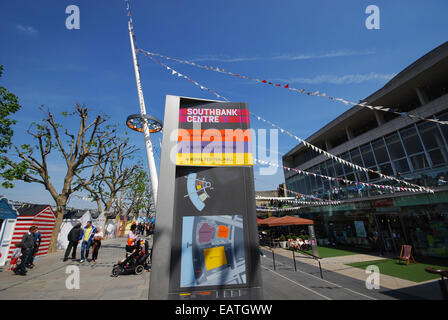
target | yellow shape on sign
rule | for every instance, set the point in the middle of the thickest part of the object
(214, 257)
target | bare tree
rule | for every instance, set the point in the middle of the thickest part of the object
(113, 174)
(48, 135)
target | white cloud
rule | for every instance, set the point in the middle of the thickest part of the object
(27, 29)
(343, 79)
(330, 54)
(227, 59)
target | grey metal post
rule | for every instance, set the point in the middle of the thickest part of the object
(320, 268)
(294, 258)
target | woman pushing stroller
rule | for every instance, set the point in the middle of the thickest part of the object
(137, 253)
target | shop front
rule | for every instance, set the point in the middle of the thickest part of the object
(419, 220)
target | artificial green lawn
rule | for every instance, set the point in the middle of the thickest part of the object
(325, 252)
(413, 271)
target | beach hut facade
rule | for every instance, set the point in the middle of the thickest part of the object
(111, 226)
(40, 215)
(8, 219)
(69, 220)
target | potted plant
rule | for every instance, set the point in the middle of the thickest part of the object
(283, 241)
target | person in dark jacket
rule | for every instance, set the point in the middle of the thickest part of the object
(37, 240)
(27, 250)
(73, 240)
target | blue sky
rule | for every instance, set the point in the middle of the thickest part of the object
(316, 45)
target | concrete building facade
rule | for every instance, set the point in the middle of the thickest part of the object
(407, 148)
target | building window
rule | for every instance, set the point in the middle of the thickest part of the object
(356, 157)
(433, 141)
(402, 165)
(380, 151)
(339, 170)
(419, 161)
(330, 168)
(367, 156)
(307, 185)
(347, 169)
(411, 141)
(444, 127)
(386, 169)
(437, 157)
(395, 147)
(373, 176)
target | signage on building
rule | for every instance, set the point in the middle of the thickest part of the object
(362, 205)
(382, 203)
(205, 239)
(360, 229)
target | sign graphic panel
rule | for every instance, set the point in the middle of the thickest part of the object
(214, 134)
(205, 240)
(212, 251)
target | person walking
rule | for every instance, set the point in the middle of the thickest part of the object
(73, 241)
(86, 236)
(27, 245)
(379, 242)
(37, 237)
(15, 257)
(97, 237)
(147, 228)
(132, 240)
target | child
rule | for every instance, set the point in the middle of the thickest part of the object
(15, 256)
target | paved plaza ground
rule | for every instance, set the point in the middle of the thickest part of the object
(338, 280)
(47, 280)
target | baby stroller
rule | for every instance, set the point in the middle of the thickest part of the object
(137, 261)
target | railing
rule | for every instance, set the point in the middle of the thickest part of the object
(294, 259)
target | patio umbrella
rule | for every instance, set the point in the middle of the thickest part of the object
(267, 220)
(288, 221)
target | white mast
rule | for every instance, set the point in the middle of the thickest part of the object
(148, 144)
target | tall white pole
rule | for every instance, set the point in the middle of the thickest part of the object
(148, 144)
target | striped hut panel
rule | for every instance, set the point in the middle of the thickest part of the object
(44, 220)
(23, 224)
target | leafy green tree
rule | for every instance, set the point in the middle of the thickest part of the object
(137, 197)
(9, 104)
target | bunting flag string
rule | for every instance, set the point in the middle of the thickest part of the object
(317, 203)
(320, 201)
(131, 22)
(346, 181)
(338, 159)
(283, 199)
(302, 91)
(176, 73)
(415, 189)
(270, 209)
(301, 195)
